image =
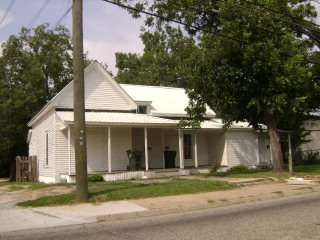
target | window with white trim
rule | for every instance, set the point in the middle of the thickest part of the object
(47, 148)
(187, 146)
(142, 109)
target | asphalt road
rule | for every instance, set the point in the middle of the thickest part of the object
(290, 218)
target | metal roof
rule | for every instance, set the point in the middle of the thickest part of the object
(118, 119)
(165, 101)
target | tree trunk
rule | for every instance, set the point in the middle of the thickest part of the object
(276, 150)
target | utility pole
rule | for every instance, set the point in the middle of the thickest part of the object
(80, 146)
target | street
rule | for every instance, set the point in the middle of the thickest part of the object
(287, 218)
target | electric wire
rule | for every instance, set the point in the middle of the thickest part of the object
(283, 14)
(62, 17)
(7, 11)
(174, 21)
(35, 18)
(194, 27)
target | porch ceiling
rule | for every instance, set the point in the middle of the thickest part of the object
(118, 119)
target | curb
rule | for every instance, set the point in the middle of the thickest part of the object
(304, 189)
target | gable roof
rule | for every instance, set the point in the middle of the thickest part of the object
(102, 92)
(164, 101)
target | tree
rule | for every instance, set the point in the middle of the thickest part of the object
(252, 63)
(163, 60)
(35, 65)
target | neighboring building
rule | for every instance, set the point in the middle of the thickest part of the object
(120, 117)
(312, 125)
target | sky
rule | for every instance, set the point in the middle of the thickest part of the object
(107, 28)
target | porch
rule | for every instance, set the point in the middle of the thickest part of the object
(141, 174)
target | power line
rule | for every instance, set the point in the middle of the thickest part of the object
(7, 11)
(35, 18)
(174, 21)
(63, 16)
(283, 14)
(188, 25)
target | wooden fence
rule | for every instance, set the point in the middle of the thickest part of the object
(26, 169)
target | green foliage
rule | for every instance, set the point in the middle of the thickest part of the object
(238, 169)
(214, 168)
(95, 178)
(310, 157)
(250, 63)
(163, 61)
(34, 66)
(63, 199)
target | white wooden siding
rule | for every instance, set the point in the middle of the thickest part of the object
(62, 148)
(121, 142)
(242, 148)
(203, 152)
(39, 131)
(97, 149)
(100, 93)
(314, 137)
(216, 147)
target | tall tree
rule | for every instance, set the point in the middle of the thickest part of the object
(252, 63)
(34, 65)
(163, 60)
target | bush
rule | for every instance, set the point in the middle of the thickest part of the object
(238, 169)
(95, 178)
(214, 168)
(311, 157)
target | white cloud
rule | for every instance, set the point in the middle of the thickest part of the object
(104, 51)
(7, 20)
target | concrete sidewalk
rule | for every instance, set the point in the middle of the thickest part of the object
(15, 218)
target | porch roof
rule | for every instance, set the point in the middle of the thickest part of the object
(117, 119)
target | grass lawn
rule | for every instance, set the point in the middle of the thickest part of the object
(299, 170)
(125, 190)
(135, 189)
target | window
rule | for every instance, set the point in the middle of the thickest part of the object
(142, 109)
(47, 149)
(187, 145)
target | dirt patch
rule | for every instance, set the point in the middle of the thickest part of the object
(7, 195)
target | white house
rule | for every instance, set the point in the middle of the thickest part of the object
(120, 117)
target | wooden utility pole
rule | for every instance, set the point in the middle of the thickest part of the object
(78, 104)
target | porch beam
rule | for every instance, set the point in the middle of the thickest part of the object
(146, 155)
(109, 149)
(196, 149)
(181, 151)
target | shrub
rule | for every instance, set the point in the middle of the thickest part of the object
(238, 169)
(95, 178)
(214, 168)
(311, 157)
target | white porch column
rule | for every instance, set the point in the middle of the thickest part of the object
(162, 147)
(181, 152)
(196, 149)
(146, 155)
(109, 149)
(69, 149)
